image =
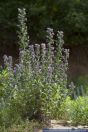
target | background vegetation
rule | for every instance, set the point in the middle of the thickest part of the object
(70, 16)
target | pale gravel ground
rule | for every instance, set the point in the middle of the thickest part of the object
(62, 125)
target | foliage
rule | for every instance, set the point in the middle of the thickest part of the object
(76, 91)
(36, 87)
(69, 16)
(76, 111)
(27, 126)
(82, 81)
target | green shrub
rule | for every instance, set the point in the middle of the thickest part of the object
(23, 126)
(76, 111)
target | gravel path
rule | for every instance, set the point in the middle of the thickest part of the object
(62, 125)
(65, 125)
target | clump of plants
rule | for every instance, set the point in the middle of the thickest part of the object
(75, 111)
(23, 126)
(36, 87)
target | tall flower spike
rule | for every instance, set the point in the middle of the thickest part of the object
(50, 35)
(22, 34)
